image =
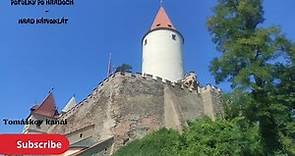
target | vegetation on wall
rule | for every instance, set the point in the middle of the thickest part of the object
(124, 68)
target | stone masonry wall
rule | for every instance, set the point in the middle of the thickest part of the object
(128, 106)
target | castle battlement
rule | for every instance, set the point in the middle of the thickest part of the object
(143, 77)
(211, 88)
(127, 106)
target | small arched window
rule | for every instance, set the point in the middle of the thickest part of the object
(145, 42)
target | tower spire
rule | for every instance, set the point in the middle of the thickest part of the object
(47, 107)
(162, 20)
(51, 90)
(161, 3)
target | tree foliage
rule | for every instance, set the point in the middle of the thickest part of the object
(259, 64)
(222, 137)
(202, 137)
(124, 68)
(163, 142)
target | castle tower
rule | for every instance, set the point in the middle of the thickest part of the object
(162, 49)
(46, 110)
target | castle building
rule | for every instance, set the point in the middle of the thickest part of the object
(126, 106)
(162, 49)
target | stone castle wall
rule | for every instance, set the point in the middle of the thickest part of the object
(127, 106)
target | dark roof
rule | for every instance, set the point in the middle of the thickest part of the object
(97, 148)
(87, 142)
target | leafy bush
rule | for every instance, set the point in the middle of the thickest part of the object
(202, 137)
(163, 142)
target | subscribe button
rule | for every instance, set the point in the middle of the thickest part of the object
(33, 144)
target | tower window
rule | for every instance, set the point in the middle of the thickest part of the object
(169, 25)
(173, 36)
(158, 25)
(145, 41)
(81, 135)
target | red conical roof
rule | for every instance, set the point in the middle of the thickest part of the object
(162, 20)
(48, 107)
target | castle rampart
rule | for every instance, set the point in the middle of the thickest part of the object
(127, 106)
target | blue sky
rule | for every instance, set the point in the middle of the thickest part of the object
(73, 58)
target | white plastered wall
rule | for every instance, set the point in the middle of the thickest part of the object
(162, 55)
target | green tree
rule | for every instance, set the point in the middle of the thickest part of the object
(124, 68)
(163, 142)
(222, 137)
(258, 62)
(202, 137)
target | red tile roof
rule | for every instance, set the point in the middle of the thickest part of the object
(47, 108)
(162, 20)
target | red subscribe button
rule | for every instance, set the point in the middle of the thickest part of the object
(33, 144)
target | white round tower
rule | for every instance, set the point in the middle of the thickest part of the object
(162, 49)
